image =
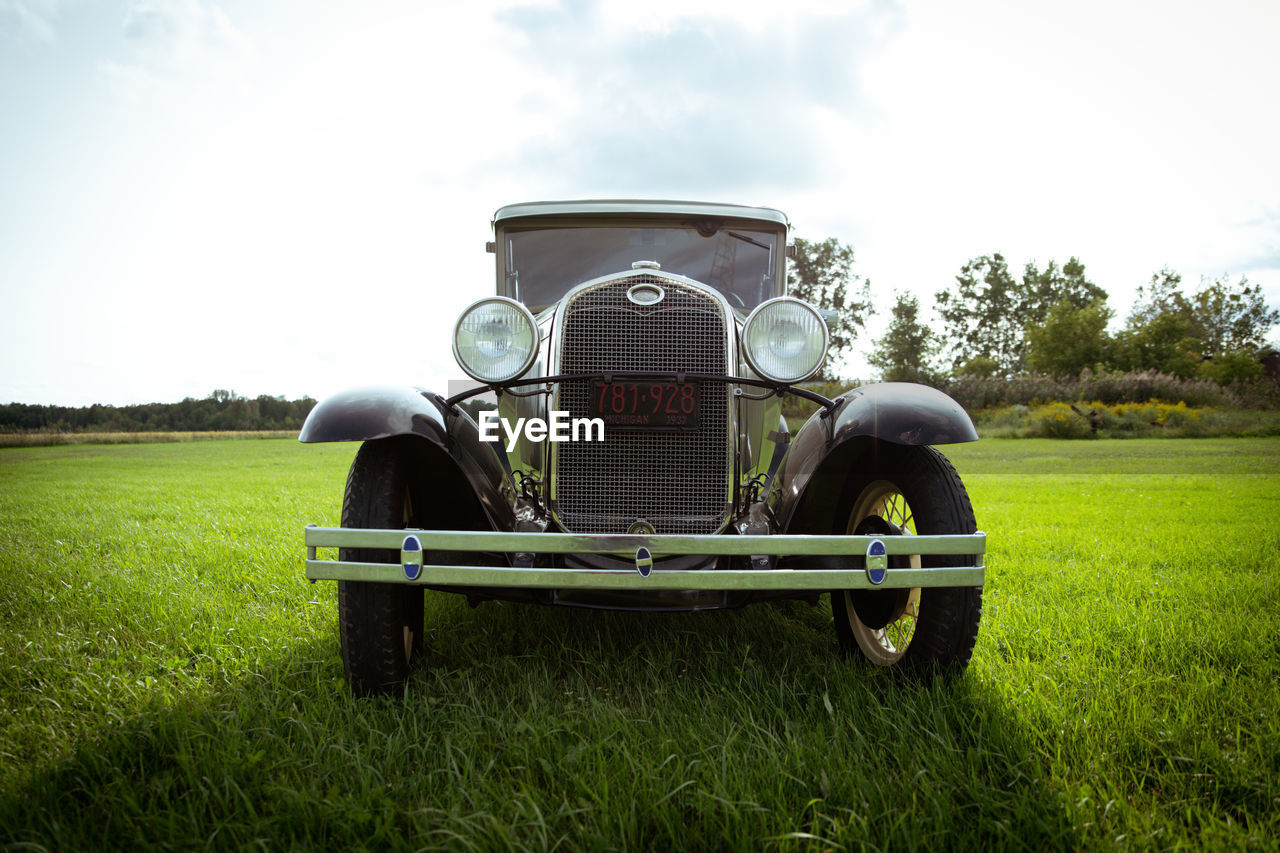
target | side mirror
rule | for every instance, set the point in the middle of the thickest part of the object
(831, 318)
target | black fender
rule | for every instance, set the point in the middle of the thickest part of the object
(453, 457)
(363, 414)
(904, 413)
(832, 446)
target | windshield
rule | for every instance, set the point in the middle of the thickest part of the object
(545, 263)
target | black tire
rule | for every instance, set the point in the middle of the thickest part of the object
(379, 624)
(925, 631)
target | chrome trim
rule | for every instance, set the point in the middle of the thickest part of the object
(625, 544)
(525, 401)
(760, 424)
(673, 277)
(638, 207)
(628, 547)
(818, 580)
(622, 213)
(731, 368)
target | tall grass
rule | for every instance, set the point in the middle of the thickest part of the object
(1123, 420)
(1083, 406)
(975, 393)
(169, 679)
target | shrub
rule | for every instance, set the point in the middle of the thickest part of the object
(979, 367)
(1150, 418)
(977, 393)
(1059, 420)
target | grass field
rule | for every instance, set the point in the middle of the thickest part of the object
(169, 679)
(47, 439)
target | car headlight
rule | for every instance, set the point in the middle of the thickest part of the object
(495, 340)
(785, 340)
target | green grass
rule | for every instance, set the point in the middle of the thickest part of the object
(42, 438)
(169, 679)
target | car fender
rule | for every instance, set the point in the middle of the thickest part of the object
(833, 445)
(364, 414)
(453, 450)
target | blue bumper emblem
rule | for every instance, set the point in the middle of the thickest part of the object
(877, 562)
(644, 561)
(411, 557)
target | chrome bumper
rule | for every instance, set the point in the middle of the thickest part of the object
(872, 553)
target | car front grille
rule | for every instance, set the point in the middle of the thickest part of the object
(676, 480)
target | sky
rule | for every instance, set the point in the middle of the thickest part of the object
(292, 198)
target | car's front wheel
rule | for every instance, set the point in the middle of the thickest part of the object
(379, 624)
(907, 491)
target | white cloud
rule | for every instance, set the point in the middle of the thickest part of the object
(693, 103)
(316, 179)
(1132, 136)
(27, 21)
(181, 33)
(181, 53)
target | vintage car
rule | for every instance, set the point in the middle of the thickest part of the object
(637, 458)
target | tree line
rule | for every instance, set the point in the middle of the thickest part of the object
(1052, 322)
(221, 410)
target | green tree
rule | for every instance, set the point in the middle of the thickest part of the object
(1042, 291)
(1162, 295)
(1232, 316)
(1069, 339)
(983, 314)
(978, 367)
(988, 311)
(822, 274)
(1168, 342)
(908, 349)
(1162, 332)
(220, 410)
(1238, 366)
(1225, 321)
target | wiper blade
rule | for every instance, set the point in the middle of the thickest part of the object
(744, 238)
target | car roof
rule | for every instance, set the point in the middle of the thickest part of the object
(638, 207)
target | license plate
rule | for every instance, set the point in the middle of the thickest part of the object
(647, 405)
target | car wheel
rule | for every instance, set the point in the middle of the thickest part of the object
(907, 491)
(379, 624)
